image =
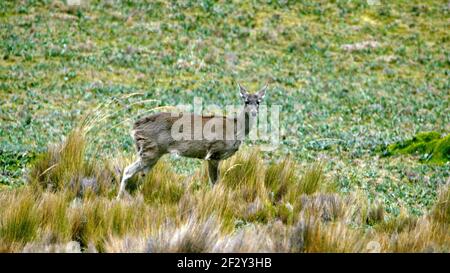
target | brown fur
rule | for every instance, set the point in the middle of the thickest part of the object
(153, 138)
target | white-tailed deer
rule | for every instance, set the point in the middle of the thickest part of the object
(158, 134)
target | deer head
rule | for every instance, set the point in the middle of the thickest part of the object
(252, 101)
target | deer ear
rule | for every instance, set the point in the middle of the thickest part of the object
(262, 92)
(242, 91)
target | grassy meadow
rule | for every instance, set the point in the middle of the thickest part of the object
(363, 162)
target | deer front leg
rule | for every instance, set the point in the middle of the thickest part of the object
(128, 173)
(213, 170)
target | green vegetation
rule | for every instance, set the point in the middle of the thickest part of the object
(351, 77)
(430, 146)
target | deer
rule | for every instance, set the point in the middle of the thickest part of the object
(159, 134)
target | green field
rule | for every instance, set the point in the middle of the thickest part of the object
(352, 77)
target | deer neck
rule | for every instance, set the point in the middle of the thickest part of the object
(245, 124)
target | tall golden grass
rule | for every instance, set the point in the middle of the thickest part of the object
(68, 205)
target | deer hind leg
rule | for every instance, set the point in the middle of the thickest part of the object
(213, 171)
(128, 173)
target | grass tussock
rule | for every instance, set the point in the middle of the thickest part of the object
(441, 210)
(311, 180)
(65, 167)
(62, 165)
(69, 206)
(19, 219)
(162, 185)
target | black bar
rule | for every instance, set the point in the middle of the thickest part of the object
(227, 262)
